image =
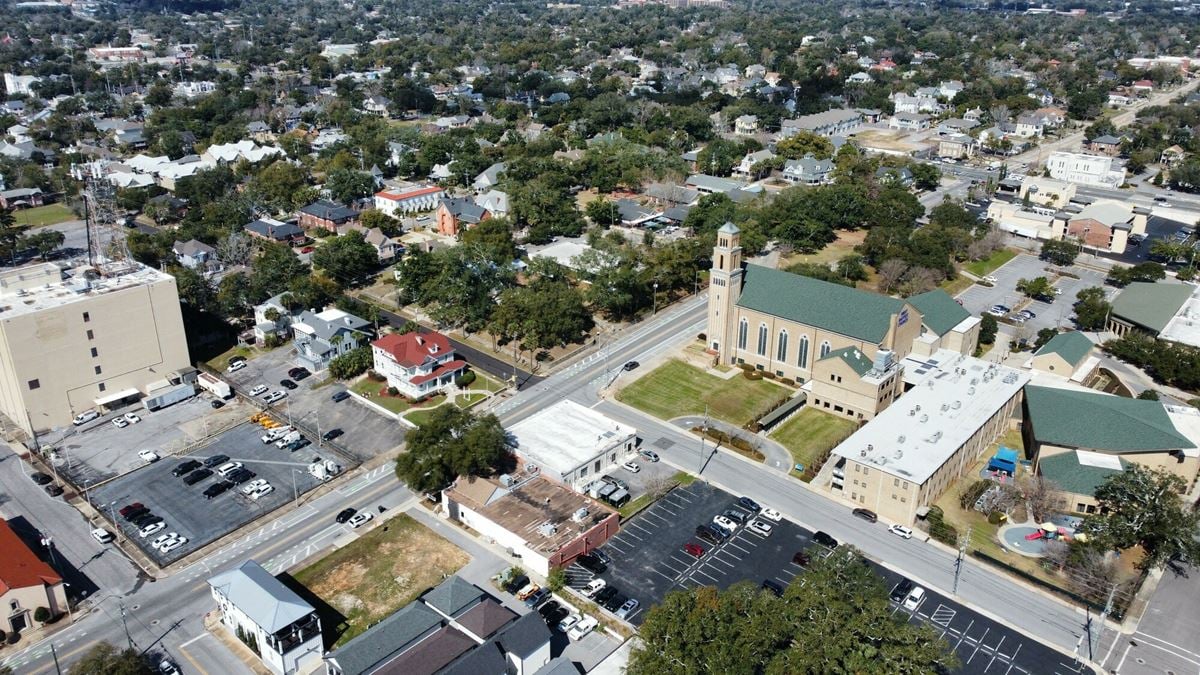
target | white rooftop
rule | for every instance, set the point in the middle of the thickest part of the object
(1185, 325)
(1186, 420)
(1098, 460)
(567, 435)
(34, 288)
(563, 252)
(954, 396)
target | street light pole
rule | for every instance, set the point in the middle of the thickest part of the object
(655, 310)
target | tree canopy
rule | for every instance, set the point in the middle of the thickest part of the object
(452, 442)
(1145, 507)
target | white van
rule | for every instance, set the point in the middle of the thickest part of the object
(288, 438)
(915, 596)
(275, 434)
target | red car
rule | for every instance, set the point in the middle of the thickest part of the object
(130, 508)
(694, 550)
(307, 249)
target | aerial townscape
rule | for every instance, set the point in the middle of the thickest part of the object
(646, 337)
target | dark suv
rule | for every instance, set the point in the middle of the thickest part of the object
(185, 467)
(197, 476)
(866, 514)
(591, 563)
(344, 515)
(825, 540)
(901, 591)
(705, 533)
(748, 504)
(216, 460)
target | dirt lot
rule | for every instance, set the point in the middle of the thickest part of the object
(380, 572)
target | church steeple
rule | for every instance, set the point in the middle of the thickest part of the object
(724, 289)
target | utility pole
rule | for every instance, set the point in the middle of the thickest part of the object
(962, 552)
(128, 637)
(1096, 628)
(703, 430)
(54, 654)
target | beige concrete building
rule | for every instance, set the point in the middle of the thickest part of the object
(26, 583)
(902, 461)
(842, 345)
(73, 340)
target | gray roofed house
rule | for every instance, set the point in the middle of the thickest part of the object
(382, 642)
(453, 597)
(485, 618)
(526, 636)
(706, 184)
(489, 177)
(287, 629)
(274, 230)
(837, 122)
(194, 254)
(434, 653)
(321, 337)
(494, 202)
(807, 170)
(677, 214)
(631, 212)
(672, 194)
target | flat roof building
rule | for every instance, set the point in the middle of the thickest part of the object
(900, 462)
(572, 444)
(72, 339)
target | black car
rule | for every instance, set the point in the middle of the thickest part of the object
(53, 490)
(631, 365)
(331, 434)
(705, 533)
(553, 618)
(340, 396)
(748, 504)
(773, 586)
(901, 591)
(299, 373)
(866, 514)
(344, 515)
(240, 476)
(185, 467)
(605, 594)
(614, 602)
(145, 519)
(197, 476)
(40, 478)
(602, 556)
(216, 460)
(516, 584)
(217, 403)
(825, 540)
(591, 563)
(297, 444)
(549, 607)
(287, 384)
(134, 514)
(801, 558)
(217, 488)
(736, 516)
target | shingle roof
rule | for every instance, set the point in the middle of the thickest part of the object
(453, 596)
(327, 210)
(1100, 422)
(261, 597)
(1071, 475)
(1149, 305)
(853, 357)
(525, 635)
(431, 655)
(1073, 347)
(19, 566)
(833, 307)
(483, 660)
(939, 311)
(412, 349)
(485, 618)
(386, 638)
(273, 229)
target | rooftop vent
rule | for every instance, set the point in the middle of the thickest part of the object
(924, 418)
(547, 529)
(900, 439)
(506, 480)
(956, 405)
(899, 454)
(970, 391)
(579, 515)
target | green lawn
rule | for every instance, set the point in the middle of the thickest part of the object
(44, 215)
(221, 361)
(988, 265)
(810, 433)
(373, 391)
(956, 285)
(676, 389)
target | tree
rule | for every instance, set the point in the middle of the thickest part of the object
(453, 442)
(345, 185)
(492, 239)
(1043, 336)
(351, 364)
(105, 659)
(543, 315)
(235, 249)
(891, 272)
(1148, 395)
(195, 289)
(851, 267)
(1144, 507)
(925, 176)
(1060, 251)
(1145, 272)
(988, 326)
(280, 185)
(602, 211)
(348, 259)
(374, 218)
(10, 235)
(804, 143)
(1043, 497)
(273, 271)
(1169, 250)
(838, 620)
(45, 241)
(1038, 287)
(1092, 309)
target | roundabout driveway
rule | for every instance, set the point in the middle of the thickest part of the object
(777, 456)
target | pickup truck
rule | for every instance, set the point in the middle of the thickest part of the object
(275, 434)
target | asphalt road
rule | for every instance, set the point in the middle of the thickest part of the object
(1165, 638)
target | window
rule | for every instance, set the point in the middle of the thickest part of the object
(743, 327)
(87, 317)
(866, 470)
(838, 408)
(762, 339)
(14, 605)
(97, 370)
(802, 359)
(781, 346)
(903, 500)
(582, 471)
(895, 482)
(905, 485)
(91, 335)
(596, 466)
(825, 349)
(34, 384)
(95, 352)
(103, 387)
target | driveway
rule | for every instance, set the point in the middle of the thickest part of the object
(1057, 314)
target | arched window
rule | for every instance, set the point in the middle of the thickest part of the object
(802, 360)
(824, 349)
(743, 328)
(781, 346)
(762, 339)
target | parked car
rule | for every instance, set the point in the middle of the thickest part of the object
(135, 514)
(771, 514)
(210, 462)
(162, 539)
(566, 624)
(151, 529)
(527, 591)
(630, 365)
(760, 527)
(148, 456)
(340, 396)
(102, 535)
(725, 524)
(173, 544)
(85, 417)
(866, 514)
(548, 608)
(649, 455)
(582, 628)
(40, 478)
(120, 422)
(631, 467)
(614, 601)
(235, 366)
(773, 586)
(130, 507)
(197, 476)
(825, 540)
(613, 480)
(901, 531)
(737, 516)
(217, 488)
(216, 403)
(537, 597)
(706, 533)
(258, 390)
(748, 504)
(167, 667)
(185, 467)
(261, 492)
(801, 558)
(298, 373)
(275, 396)
(900, 592)
(627, 608)
(254, 485)
(915, 596)
(553, 618)
(240, 476)
(591, 563)
(694, 550)
(345, 515)
(604, 595)
(989, 279)
(516, 583)
(131, 418)
(297, 444)
(228, 468)
(593, 587)
(54, 490)
(359, 519)
(288, 384)
(145, 519)
(331, 434)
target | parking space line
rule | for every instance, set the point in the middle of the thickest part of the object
(979, 644)
(628, 532)
(641, 529)
(743, 550)
(670, 579)
(656, 517)
(715, 558)
(701, 571)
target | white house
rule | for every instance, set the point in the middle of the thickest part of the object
(1086, 169)
(1029, 125)
(409, 200)
(233, 152)
(745, 169)
(573, 444)
(417, 364)
(271, 318)
(909, 121)
(269, 617)
(745, 125)
(323, 336)
(807, 170)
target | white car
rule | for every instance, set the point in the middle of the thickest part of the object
(567, 623)
(131, 418)
(85, 417)
(275, 434)
(120, 422)
(165, 540)
(228, 468)
(173, 544)
(582, 628)
(901, 531)
(260, 389)
(593, 587)
(360, 518)
(235, 366)
(631, 467)
(262, 492)
(148, 456)
(771, 514)
(915, 596)
(275, 396)
(725, 524)
(254, 485)
(627, 609)
(102, 535)
(989, 279)
(151, 529)
(760, 527)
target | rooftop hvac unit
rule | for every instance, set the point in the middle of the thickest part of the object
(912, 412)
(945, 407)
(924, 418)
(870, 447)
(900, 440)
(937, 436)
(547, 529)
(956, 405)
(970, 391)
(862, 453)
(883, 360)
(506, 480)
(917, 407)
(899, 454)
(579, 515)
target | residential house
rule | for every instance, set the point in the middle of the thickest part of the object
(387, 248)
(458, 213)
(1042, 96)
(1029, 125)
(1172, 156)
(1120, 99)
(377, 105)
(745, 168)
(890, 174)
(807, 170)
(708, 185)
(277, 231)
(323, 336)
(245, 150)
(489, 178)
(957, 126)
(272, 317)
(909, 121)
(410, 199)
(494, 202)
(1107, 145)
(195, 255)
(837, 122)
(905, 104)
(1052, 118)
(746, 125)
(859, 78)
(950, 88)
(1105, 224)
(26, 583)
(281, 628)
(21, 198)
(957, 146)
(326, 215)
(1143, 87)
(419, 365)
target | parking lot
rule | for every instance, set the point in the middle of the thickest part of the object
(1057, 314)
(185, 509)
(648, 562)
(365, 433)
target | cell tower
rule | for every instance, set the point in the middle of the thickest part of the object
(108, 251)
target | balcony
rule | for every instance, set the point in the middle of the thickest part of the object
(297, 634)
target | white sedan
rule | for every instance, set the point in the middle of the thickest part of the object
(120, 422)
(262, 492)
(360, 518)
(275, 396)
(569, 622)
(582, 628)
(260, 389)
(165, 540)
(631, 467)
(132, 418)
(148, 456)
(235, 366)
(760, 527)
(901, 531)
(724, 523)
(173, 544)
(771, 514)
(151, 529)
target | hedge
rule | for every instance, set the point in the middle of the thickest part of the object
(972, 493)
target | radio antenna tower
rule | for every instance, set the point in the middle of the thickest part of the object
(108, 251)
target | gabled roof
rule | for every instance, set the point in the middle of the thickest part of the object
(1101, 422)
(1072, 472)
(833, 307)
(327, 210)
(19, 565)
(274, 229)
(939, 311)
(486, 658)
(412, 349)
(1073, 347)
(379, 643)
(1150, 305)
(853, 357)
(525, 635)
(432, 654)
(485, 618)
(261, 597)
(192, 248)
(464, 209)
(453, 596)
(326, 324)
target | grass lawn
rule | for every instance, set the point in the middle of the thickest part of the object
(371, 389)
(988, 265)
(420, 417)
(380, 572)
(44, 215)
(676, 388)
(956, 285)
(221, 361)
(810, 433)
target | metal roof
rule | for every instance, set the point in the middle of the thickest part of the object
(261, 597)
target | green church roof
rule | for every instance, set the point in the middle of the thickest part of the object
(939, 311)
(853, 357)
(1151, 306)
(1101, 422)
(1071, 475)
(1072, 346)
